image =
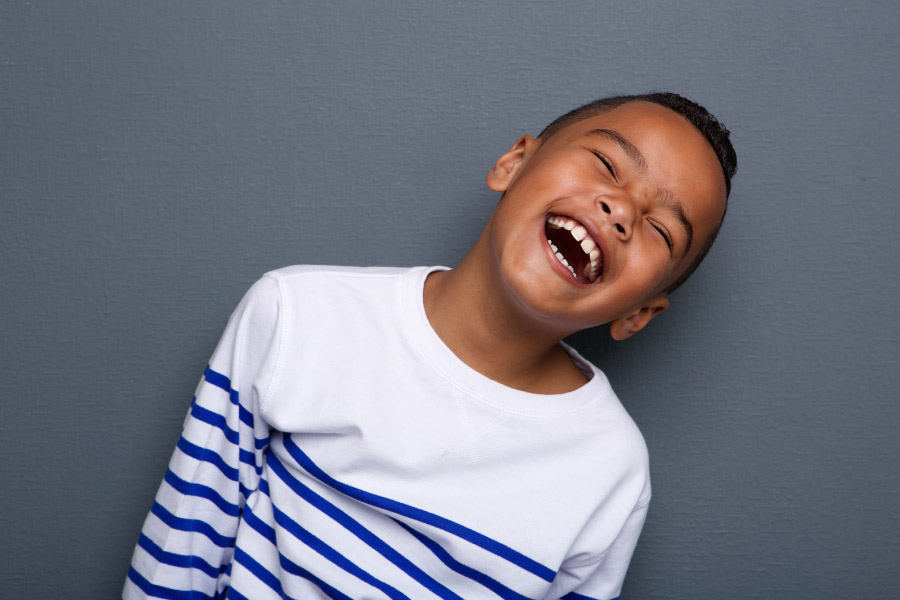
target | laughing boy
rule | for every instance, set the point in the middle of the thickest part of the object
(424, 433)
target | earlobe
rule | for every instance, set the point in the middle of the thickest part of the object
(625, 327)
(501, 174)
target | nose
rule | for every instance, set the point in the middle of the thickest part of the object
(621, 213)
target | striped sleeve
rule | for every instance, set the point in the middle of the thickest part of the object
(187, 541)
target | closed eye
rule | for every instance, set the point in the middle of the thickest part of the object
(605, 161)
(665, 236)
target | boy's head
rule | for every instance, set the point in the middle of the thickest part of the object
(624, 196)
(713, 130)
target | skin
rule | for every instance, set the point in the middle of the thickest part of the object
(507, 305)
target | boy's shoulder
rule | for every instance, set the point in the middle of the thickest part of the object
(312, 295)
(328, 271)
(306, 283)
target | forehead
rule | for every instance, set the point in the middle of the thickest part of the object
(659, 133)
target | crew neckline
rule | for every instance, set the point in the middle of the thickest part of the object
(464, 378)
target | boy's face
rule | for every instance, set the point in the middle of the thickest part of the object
(627, 198)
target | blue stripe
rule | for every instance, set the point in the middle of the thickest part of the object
(202, 491)
(294, 569)
(354, 527)
(418, 514)
(463, 569)
(179, 560)
(217, 379)
(215, 459)
(247, 457)
(259, 571)
(210, 456)
(158, 591)
(260, 526)
(216, 420)
(207, 455)
(191, 525)
(333, 555)
(222, 382)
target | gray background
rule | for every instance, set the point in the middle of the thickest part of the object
(157, 157)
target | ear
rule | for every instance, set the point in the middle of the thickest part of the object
(625, 327)
(504, 170)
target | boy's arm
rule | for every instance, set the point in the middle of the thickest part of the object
(600, 578)
(188, 538)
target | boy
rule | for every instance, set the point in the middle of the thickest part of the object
(423, 433)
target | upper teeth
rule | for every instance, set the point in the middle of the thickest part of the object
(588, 245)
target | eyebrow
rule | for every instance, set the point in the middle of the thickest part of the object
(630, 149)
(635, 155)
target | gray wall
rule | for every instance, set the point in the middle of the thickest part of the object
(157, 157)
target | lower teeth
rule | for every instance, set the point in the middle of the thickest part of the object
(563, 260)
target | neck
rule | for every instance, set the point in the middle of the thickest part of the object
(475, 317)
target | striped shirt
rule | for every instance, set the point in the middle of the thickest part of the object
(336, 448)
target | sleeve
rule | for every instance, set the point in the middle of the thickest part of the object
(187, 541)
(601, 577)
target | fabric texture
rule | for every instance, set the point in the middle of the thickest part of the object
(336, 448)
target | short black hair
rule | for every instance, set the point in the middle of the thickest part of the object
(712, 129)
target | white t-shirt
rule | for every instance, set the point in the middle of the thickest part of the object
(336, 448)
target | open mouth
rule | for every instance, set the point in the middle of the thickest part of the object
(574, 248)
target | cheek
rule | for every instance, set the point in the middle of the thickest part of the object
(561, 177)
(649, 270)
